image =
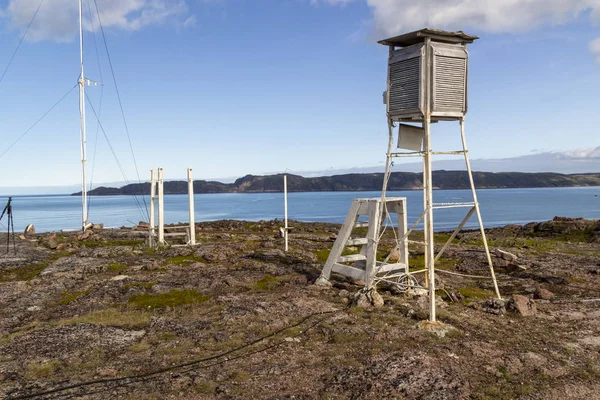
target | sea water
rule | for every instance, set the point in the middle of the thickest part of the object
(498, 207)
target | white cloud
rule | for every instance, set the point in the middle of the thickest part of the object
(392, 17)
(396, 16)
(190, 21)
(57, 19)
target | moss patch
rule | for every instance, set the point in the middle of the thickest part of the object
(111, 317)
(183, 261)
(475, 293)
(322, 255)
(116, 267)
(30, 271)
(67, 297)
(173, 298)
(267, 282)
(205, 387)
(417, 262)
(43, 370)
(139, 347)
(112, 243)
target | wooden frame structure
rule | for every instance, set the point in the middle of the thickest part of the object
(156, 235)
(364, 265)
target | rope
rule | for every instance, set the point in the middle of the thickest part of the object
(36, 122)
(21, 41)
(121, 106)
(464, 275)
(112, 150)
(386, 177)
(194, 363)
(99, 106)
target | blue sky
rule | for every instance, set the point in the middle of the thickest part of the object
(231, 87)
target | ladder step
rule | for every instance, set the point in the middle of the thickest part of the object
(391, 267)
(353, 272)
(357, 242)
(361, 225)
(171, 234)
(352, 258)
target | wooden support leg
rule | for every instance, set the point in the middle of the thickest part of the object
(152, 221)
(403, 238)
(191, 240)
(458, 228)
(340, 241)
(161, 208)
(372, 241)
(481, 228)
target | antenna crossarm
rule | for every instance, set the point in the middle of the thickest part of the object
(89, 82)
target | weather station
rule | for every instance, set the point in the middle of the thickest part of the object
(426, 83)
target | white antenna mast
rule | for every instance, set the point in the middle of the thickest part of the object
(82, 127)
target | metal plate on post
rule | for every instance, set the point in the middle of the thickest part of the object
(410, 137)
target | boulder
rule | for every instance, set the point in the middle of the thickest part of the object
(522, 305)
(437, 328)
(505, 255)
(322, 282)
(49, 242)
(85, 235)
(63, 246)
(543, 294)
(415, 293)
(395, 256)
(29, 230)
(367, 298)
(512, 267)
(422, 303)
(491, 306)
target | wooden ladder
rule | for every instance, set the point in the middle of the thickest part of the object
(364, 265)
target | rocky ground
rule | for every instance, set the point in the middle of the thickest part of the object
(103, 316)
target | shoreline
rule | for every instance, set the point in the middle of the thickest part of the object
(291, 191)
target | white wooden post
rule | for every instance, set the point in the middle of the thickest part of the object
(161, 208)
(375, 216)
(428, 183)
(191, 207)
(285, 211)
(152, 205)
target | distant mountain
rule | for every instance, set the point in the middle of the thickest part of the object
(577, 161)
(362, 182)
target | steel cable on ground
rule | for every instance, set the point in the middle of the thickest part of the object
(38, 121)
(121, 106)
(112, 150)
(190, 365)
(21, 41)
(99, 106)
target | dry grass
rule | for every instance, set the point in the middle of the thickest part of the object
(173, 298)
(41, 370)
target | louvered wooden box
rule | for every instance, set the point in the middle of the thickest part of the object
(408, 78)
